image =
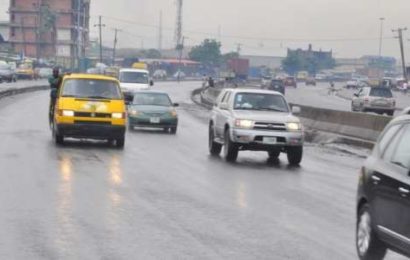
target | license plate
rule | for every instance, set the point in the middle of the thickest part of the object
(269, 140)
(155, 120)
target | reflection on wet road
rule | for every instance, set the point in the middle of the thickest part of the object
(164, 197)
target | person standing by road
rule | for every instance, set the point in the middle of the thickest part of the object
(405, 87)
(54, 81)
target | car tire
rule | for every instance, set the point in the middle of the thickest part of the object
(230, 148)
(390, 113)
(214, 147)
(173, 130)
(58, 139)
(120, 142)
(295, 155)
(368, 245)
(274, 154)
(130, 128)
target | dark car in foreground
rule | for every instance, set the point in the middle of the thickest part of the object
(151, 109)
(383, 201)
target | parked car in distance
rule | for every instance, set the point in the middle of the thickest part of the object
(45, 73)
(179, 75)
(383, 197)
(160, 74)
(25, 71)
(153, 110)
(290, 82)
(377, 99)
(310, 81)
(255, 120)
(7, 74)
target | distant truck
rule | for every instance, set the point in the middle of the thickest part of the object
(302, 76)
(240, 67)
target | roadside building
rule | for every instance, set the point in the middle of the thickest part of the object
(50, 29)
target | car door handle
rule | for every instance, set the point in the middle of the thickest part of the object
(404, 192)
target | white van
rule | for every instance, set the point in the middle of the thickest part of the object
(132, 80)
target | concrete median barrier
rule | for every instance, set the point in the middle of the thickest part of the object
(357, 125)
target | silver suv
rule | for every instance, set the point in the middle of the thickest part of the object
(256, 120)
(377, 99)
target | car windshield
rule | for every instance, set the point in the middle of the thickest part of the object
(259, 101)
(90, 88)
(381, 92)
(151, 99)
(134, 77)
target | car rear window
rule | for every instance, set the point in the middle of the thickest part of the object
(381, 92)
(90, 88)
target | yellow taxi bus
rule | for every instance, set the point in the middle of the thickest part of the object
(90, 107)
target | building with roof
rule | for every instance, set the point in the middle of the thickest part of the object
(49, 29)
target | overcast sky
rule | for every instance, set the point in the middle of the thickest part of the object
(350, 28)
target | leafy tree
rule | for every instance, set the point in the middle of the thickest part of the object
(209, 52)
(312, 64)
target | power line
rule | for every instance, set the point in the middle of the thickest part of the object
(241, 37)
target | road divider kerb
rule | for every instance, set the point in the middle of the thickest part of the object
(15, 91)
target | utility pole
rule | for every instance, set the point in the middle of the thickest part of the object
(238, 48)
(23, 34)
(178, 29)
(79, 33)
(160, 32)
(400, 37)
(381, 36)
(100, 26)
(115, 46)
(181, 49)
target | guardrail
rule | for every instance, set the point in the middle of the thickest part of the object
(362, 126)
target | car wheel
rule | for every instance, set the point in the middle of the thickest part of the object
(173, 130)
(120, 142)
(390, 113)
(274, 154)
(368, 246)
(130, 127)
(230, 148)
(58, 139)
(353, 108)
(214, 147)
(295, 155)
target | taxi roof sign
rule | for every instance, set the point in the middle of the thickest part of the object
(139, 65)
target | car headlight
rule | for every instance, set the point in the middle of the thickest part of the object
(293, 126)
(240, 123)
(173, 113)
(69, 113)
(134, 113)
(117, 115)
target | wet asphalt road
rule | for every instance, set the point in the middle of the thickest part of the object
(164, 197)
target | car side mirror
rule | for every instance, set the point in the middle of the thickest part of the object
(128, 100)
(223, 106)
(296, 110)
(356, 94)
(151, 83)
(175, 105)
